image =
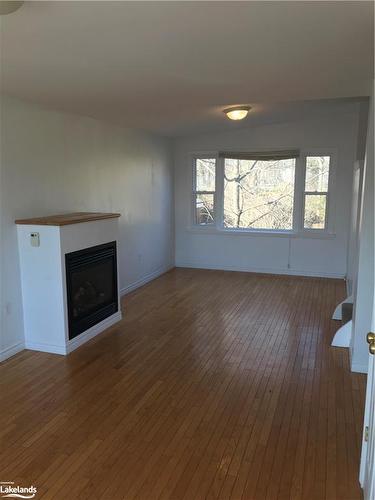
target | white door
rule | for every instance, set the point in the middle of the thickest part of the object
(367, 473)
(366, 240)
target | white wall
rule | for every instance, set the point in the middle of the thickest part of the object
(53, 162)
(357, 184)
(250, 252)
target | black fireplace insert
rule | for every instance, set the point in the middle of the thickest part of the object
(91, 281)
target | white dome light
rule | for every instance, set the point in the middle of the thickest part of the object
(237, 112)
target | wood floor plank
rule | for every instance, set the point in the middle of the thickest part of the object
(215, 385)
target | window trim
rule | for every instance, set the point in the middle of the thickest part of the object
(330, 193)
(315, 193)
(298, 230)
(195, 192)
(249, 229)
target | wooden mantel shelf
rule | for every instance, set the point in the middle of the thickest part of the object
(66, 219)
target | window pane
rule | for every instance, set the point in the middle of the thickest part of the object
(259, 194)
(205, 171)
(315, 211)
(317, 172)
(204, 209)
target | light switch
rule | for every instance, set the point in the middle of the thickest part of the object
(34, 239)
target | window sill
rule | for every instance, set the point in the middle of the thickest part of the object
(207, 230)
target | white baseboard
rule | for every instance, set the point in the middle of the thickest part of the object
(142, 281)
(73, 344)
(51, 348)
(89, 334)
(93, 332)
(11, 351)
(261, 270)
(359, 368)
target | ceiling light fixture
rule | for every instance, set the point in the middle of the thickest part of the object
(237, 112)
(9, 7)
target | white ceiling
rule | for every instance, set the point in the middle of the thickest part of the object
(171, 67)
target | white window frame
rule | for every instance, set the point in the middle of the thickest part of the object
(330, 198)
(250, 230)
(298, 229)
(196, 192)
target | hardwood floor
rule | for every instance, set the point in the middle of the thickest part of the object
(214, 385)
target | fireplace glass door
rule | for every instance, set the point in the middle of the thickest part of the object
(91, 277)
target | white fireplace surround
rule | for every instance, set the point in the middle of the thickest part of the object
(43, 280)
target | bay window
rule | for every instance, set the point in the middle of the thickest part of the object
(279, 191)
(259, 194)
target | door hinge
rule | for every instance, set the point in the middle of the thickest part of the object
(366, 433)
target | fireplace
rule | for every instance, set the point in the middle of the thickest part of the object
(69, 276)
(91, 283)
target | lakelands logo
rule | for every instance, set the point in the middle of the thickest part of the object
(8, 490)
